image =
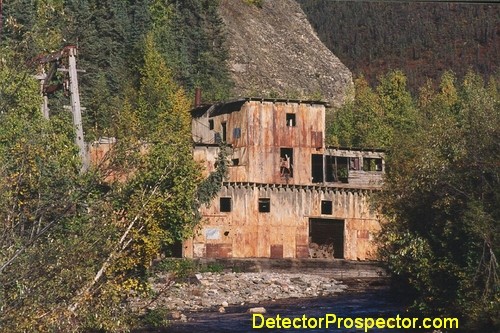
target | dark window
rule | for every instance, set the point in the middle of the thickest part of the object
(210, 124)
(224, 132)
(326, 207)
(290, 119)
(225, 204)
(286, 162)
(317, 168)
(236, 161)
(236, 133)
(264, 205)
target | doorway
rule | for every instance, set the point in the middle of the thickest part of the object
(317, 168)
(326, 238)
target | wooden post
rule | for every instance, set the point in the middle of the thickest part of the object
(75, 107)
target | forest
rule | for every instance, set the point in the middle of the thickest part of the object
(75, 246)
(423, 39)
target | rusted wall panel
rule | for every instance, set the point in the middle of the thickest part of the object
(277, 251)
(252, 234)
(218, 250)
(284, 231)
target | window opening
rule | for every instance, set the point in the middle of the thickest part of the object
(225, 205)
(236, 133)
(290, 119)
(224, 131)
(326, 207)
(372, 164)
(340, 169)
(286, 163)
(330, 168)
(354, 163)
(217, 137)
(236, 161)
(317, 168)
(210, 124)
(264, 205)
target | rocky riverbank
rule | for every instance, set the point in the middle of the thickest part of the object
(216, 291)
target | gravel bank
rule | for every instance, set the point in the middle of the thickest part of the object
(212, 291)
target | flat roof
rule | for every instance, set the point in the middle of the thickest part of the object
(217, 109)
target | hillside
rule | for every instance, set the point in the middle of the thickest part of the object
(274, 52)
(422, 39)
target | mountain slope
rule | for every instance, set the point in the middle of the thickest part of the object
(274, 52)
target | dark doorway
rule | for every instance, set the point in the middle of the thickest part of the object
(326, 235)
(317, 168)
(174, 250)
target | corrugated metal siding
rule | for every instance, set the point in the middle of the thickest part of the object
(255, 234)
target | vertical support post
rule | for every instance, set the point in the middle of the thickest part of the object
(45, 102)
(75, 107)
(324, 168)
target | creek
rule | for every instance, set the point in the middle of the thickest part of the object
(375, 303)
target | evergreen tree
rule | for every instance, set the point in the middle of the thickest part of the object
(190, 34)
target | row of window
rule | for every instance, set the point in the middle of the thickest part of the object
(226, 205)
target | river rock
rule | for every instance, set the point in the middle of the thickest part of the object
(213, 290)
(260, 310)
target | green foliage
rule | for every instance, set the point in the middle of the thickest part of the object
(155, 318)
(213, 268)
(190, 34)
(181, 268)
(257, 3)
(211, 185)
(75, 246)
(421, 38)
(374, 117)
(441, 200)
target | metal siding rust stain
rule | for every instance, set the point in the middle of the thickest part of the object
(252, 233)
(284, 231)
(277, 251)
(218, 250)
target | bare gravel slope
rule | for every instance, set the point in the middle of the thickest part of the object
(274, 52)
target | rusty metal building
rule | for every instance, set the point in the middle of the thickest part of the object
(286, 194)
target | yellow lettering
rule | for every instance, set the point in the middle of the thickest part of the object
(295, 325)
(270, 323)
(452, 321)
(312, 323)
(369, 324)
(390, 325)
(380, 323)
(286, 322)
(261, 317)
(330, 319)
(358, 323)
(278, 320)
(406, 323)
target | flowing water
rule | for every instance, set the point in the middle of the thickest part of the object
(366, 304)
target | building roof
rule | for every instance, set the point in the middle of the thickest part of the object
(235, 105)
